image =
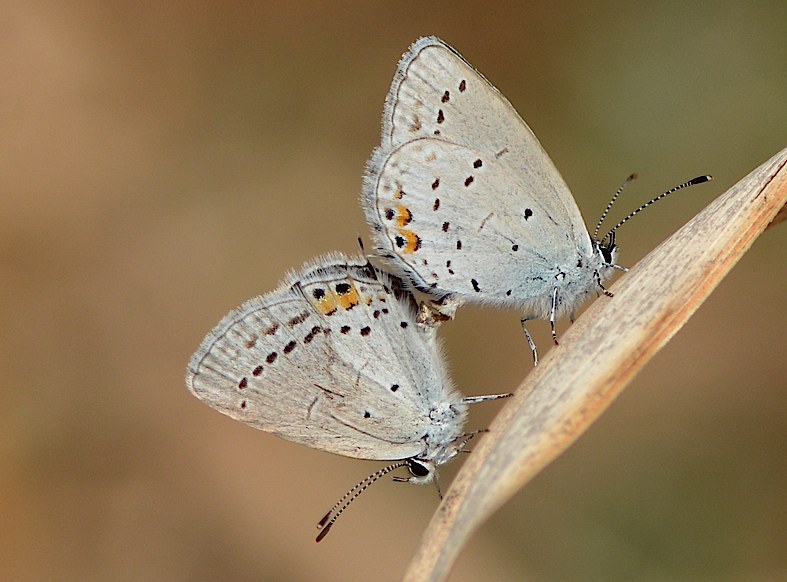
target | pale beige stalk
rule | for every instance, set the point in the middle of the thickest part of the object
(596, 359)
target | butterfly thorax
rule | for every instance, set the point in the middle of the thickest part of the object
(574, 280)
(444, 432)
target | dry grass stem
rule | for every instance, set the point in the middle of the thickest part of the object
(597, 358)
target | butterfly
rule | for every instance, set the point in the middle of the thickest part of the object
(465, 204)
(334, 359)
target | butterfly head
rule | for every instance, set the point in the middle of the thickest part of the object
(421, 471)
(608, 249)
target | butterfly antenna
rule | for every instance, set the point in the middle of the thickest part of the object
(692, 182)
(330, 518)
(611, 202)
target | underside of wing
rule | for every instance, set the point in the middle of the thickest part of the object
(304, 363)
(458, 222)
(436, 93)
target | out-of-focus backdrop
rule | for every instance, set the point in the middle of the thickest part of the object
(163, 163)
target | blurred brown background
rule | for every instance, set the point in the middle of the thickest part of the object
(162, 163)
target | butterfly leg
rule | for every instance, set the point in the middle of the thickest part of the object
(552, 315)
(603, 289)
(530, 341)
(484, 398)
(465, 438)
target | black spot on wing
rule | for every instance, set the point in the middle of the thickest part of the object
(300, 318)
(313, 332)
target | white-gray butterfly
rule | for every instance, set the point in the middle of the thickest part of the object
(334, 359)
(465, 203)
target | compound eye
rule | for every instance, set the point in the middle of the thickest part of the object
(607, 252)
(417, 469)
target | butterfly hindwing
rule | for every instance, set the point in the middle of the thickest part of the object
(325, 361)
